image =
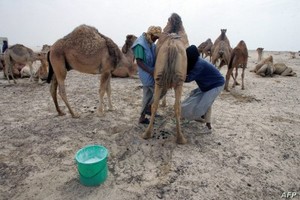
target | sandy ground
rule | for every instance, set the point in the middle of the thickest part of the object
(253, 152)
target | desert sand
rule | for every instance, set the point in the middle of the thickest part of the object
(252, 153)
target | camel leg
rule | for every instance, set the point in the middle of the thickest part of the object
(104, 87)
(157, 93)
(177, 107)
(164, 101)
(53, 91)
(7, 72)
(31, 71)
(229, 72)
(60, 73)
(108, 91)
(62, 93)
(243, 76)
(235, 77)
(287, 72)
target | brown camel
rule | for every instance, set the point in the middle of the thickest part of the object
(238, 59)
(170, 70)
(222, 37)
(260, 54)
(222, 53)
(130, 69)
(221, 50)
(87, 51)
(205, 48)
(17, 56)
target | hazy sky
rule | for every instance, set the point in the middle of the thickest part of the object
(272, 24)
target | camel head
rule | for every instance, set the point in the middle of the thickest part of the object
(128, 43)
(223, 31)
(259, 49)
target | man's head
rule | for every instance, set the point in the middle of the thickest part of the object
(153, 33)
(192, 56)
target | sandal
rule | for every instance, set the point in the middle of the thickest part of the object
(145, 121)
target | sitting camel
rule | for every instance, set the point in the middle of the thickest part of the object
(130, 69)
(238, 59)
(170, 70)
(39, 69)
(87, 51)
(266, 67)
(283, 70)
(18, 56)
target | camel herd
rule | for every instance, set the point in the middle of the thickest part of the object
(86, 50)
(221, 52)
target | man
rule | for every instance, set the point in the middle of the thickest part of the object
(144, 52)
(210, 84)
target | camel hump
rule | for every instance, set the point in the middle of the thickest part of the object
(20, 50)
(87, 41)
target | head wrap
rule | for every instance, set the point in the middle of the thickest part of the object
(192, 56)
(153, 30)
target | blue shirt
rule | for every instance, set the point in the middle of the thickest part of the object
(206, 75)
(149, 60)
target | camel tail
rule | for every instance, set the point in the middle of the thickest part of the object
(169, 74)
(50, 74)
(113, 50)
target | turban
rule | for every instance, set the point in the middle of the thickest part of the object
(153, 30)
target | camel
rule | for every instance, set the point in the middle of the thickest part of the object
(170, 70)
(221, 50)
(39, 69)
(205, 48)
(18, 56)
(222, 37)
(87, 51)
(130, 69)
(260, 54)
(265, 67)
(239, 58)
(283, 70)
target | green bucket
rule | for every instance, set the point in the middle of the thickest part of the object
(92, 165)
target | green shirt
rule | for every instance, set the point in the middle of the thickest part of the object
(139, 52)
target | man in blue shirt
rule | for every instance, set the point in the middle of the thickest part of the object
(210, 84)
(144, 52)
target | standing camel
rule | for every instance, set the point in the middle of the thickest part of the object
(87, 51)
(239, 58)
(221, 50)
(170, 70)
(19, 55)
(205, 48)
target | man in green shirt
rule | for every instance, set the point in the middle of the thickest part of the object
(144, 52)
